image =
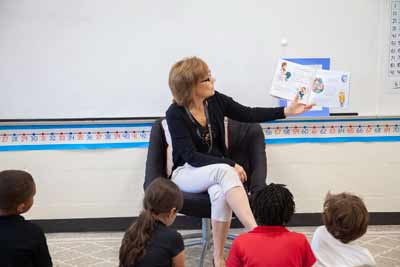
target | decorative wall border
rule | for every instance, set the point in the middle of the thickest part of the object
(333, 130)
(74, 136)
(136, 134)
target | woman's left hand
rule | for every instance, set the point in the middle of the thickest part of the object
(297, 108)
(241, 172)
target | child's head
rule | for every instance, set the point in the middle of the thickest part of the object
(17, 190)
(162, 200)
(273, 205)
(345, 216)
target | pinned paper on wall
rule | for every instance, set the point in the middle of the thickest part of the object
(394, 40)
(394, 48)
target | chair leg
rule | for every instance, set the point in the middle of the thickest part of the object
(206, 239)
(232, 236)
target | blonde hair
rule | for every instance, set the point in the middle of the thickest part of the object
(184, 76)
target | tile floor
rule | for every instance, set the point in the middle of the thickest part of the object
(101, 249)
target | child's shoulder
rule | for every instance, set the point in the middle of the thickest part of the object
(19, 224)
(168, 233)
(33, 228)
(169, 238)
(297, 235)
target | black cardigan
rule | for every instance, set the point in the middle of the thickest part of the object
(185, 141)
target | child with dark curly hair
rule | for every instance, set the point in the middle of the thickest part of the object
(271, 244)
(346, 219)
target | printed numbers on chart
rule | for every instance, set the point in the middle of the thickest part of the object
(143, 134)
(107, 135)
(126, 135)
(4, 138)
(34, 137)
(286, 130)
(89, 136)
(350, 129)
(314, 130)
(52, 137)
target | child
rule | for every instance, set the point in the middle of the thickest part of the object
(148, 241)
(22, 244)
(346, 219)
(271, 244)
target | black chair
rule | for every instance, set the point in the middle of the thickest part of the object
(246, 147)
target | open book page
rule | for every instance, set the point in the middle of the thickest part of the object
(330, 89)
(291, 79)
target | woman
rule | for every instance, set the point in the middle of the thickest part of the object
(201, 163)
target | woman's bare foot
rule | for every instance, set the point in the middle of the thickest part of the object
(219, 262)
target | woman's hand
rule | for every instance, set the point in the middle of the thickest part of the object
(296, 108)
(242, 174)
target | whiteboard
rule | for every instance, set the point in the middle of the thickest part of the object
(99, 58)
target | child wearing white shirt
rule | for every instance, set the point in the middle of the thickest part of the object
(346, 219)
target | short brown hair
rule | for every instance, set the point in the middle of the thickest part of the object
(345, 216)
(15, 188)
(183, 77)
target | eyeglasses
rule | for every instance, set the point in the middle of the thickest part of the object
(206, 80)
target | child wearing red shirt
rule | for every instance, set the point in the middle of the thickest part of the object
(271, 244)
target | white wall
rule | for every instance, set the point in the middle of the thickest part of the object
(108, 183)
(101, 58)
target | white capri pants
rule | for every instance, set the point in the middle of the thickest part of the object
(217, 179)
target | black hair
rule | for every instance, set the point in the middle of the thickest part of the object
(15, 188)
(273, 205)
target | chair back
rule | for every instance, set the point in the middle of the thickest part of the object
(246, 147)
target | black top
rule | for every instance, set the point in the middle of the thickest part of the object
(22, 243)
(165, 243)
(188, 146)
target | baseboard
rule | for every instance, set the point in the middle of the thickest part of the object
(187, 223)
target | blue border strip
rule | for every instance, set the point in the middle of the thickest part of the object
(74, 146)
(333, 139)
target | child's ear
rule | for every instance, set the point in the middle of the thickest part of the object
(172, 211)
(21, 208)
